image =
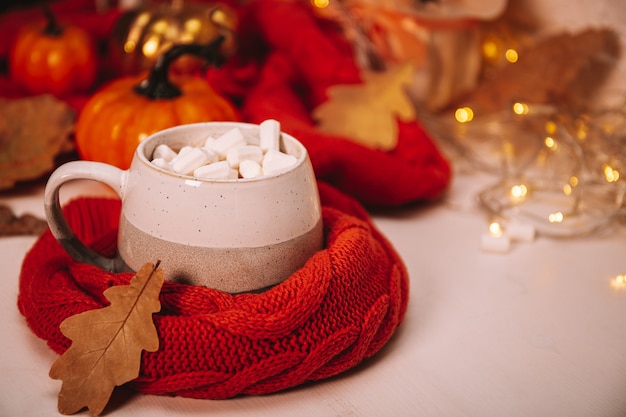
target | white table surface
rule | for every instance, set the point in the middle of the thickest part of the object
(539, 331)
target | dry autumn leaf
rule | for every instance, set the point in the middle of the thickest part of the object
(368, 113)
(107, 343)
(564, 69)
(26, 224)
(33, 132)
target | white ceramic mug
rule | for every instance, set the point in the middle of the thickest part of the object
(233, 235)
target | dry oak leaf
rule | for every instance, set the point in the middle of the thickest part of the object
(107, 343)
(33, 132)
(368, 113)
(565, 69)
(26, 224)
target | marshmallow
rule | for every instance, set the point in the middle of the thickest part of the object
(164, 152)
(180, 153)
(269, 135)
(217, 170)
(209, 141)
(184, 150)
(189, 161)
(520, 231)
(250, 169)
(244, 153)
(233, 174)
(162, 163)
(229, 156)
(275, 161)
(224, 143)
(491, 243)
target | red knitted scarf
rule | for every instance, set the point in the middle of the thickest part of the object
(337, 310)
(287, 60)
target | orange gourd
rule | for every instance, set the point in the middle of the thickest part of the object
(127, 110)
(47, 57)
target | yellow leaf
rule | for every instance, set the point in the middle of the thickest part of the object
(368, 113)
(107, 343)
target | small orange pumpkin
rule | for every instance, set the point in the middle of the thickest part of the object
(47, 57)
(127, 110)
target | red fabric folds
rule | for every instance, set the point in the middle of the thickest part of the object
(336, 311)
(304, 57)
(286, 61)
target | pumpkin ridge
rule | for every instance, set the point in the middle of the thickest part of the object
(117, 118)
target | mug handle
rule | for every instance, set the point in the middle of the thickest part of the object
(76, 170)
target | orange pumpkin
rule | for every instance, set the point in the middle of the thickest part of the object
(46, 57)
(127, 110)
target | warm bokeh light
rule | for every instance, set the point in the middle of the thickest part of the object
(130, 46)
(490, 50)
(218, 15)
(567, 189)
(160, 26)
(151, 46)
(464, 114)
(495, 229)
(320, 4)
(511, 55)
(619, 282)
(142, 19)
(556, 217)
(550, 143)
(519, 191)
(551, 127)
(186, 37)
(520, 108)
(193, 25)
(610, 173)
(581, 130)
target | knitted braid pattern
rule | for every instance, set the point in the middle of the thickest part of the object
(340, 308)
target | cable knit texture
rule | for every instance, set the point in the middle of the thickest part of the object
(340, 308)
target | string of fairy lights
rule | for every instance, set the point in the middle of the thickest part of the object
(563, 135)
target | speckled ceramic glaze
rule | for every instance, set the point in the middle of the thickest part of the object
(232, 235)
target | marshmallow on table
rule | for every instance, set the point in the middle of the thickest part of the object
(493, 243)
(520, 231)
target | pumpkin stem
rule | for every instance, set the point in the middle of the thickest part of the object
(158, 84)
(52, 24)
